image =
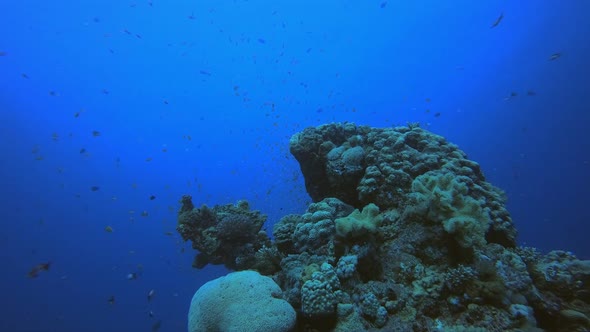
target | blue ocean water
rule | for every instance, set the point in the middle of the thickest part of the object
(110, 111)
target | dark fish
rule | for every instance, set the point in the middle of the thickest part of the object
(437, 114)
(96, 20)
(52, 93)
(191, 16)
(152, 197)
(554, 56)
(3, 53)
(111, 299)
(82, 150)
(156, 326)
(95, 188)
(498, 20)
(138, 35)
(127, 31)
(95, 133)
(513, 94)
(531, 93)
(151, 314)
(34, 273)
(261, 41)
(383, 4)
(319, 110)
(105, 91)
(23, 75)
(204, 72)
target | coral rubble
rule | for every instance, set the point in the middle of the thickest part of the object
(404, 234)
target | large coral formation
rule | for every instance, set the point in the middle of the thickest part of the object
(434, 248)
(240, 301)
(227, 234)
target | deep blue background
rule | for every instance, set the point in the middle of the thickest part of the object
(149, 76)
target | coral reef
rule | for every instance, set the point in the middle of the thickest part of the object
(404, 234)
(229, 234)
(240, 301)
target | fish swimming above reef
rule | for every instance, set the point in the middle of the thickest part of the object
(554, 56)
(34, 273)
(498, 20)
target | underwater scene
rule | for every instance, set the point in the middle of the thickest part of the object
(250, 165)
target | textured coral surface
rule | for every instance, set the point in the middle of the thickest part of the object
(404, 234)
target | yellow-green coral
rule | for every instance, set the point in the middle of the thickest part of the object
(448, 201)
(359, 223)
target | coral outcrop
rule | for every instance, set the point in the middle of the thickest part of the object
(404, 234)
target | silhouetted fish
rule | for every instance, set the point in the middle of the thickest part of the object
(34, 273)
(498, 20)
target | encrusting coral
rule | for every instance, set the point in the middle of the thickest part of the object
(404, 234)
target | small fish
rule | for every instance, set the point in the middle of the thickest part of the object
(53, 93)
(82, 151)
(2, 53)
(191, 16)
(105, 91)
(25, 76)
(151, 295)
(111, 300)
(554, 56)
(152, 197)
(261, 41)
(77, 114)
(427, 100)
(498, 20)
(168, 233)
(144, 213)
(108, 229)
(437, 114)
(204, 72)
(151, 313)
(94, 188)
(138, 36)
(95, 133)
(383, 4)
(513, 94)
(531, 93)
(148, 159)
(156, 326)
(132, 276)
(34, 273)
